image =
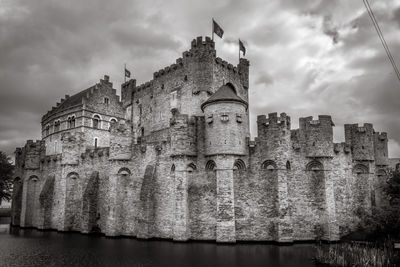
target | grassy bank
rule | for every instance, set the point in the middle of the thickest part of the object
(357, 254)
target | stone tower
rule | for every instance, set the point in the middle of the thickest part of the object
(225, 143)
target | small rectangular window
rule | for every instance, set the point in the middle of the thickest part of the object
(106, 100)
(210, 119)
(239, 118)
(224, 117)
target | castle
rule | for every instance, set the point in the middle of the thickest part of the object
(173, 159)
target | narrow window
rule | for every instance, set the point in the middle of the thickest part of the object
(142, 131)
(288, 165)
(112, 121)
(106, 100)
(239, 118)
(210, 119)
(96, 121)
(72, 122)
(95, 142)
(56, 126)
(224, 117)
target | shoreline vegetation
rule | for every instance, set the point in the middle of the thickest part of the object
(357, 253)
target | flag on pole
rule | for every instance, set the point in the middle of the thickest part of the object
(127, 73)
(242, 48)
(217, 29)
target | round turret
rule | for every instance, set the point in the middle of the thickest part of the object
(226, 122)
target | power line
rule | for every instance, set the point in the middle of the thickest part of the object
(381, 37)
(383, 41)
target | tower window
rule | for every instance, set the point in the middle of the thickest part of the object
(71, 122)
(106, 100)
(56, 126)
(239, 118)
(96, 121)
(210, 119)
(224, 117)
(288, 167)
(95, 142)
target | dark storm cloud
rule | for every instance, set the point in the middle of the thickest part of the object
(330, 30)
(307, 57)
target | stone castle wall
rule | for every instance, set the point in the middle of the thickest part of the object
(167, 169)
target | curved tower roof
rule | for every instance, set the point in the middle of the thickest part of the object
(224, 94)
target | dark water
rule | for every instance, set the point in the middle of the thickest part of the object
(36, 248)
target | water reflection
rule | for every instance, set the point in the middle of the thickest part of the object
(30, 247)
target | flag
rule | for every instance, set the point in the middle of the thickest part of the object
(217, 29)
(242, 48)
(127, 73)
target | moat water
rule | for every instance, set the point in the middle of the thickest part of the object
(29, 247)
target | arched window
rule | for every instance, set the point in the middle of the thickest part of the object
(96, 122)
(269, 165)
(47, 130)
(360, 169)
(72, 175)
(71, 122)
(239, 165)
(210, 165)
(33, 178)
(381, 173)
(191, 167)
(173, 168)
(57, 125)
(95, 142)
(124, 172)
(288, 167)
(315, 166)
(112, 121)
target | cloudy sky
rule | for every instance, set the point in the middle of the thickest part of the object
(307, 57)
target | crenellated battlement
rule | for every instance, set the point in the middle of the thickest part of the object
(361, 140)
(309, 121)
(381, 136)
(199, 43)
(33, 144)
(274, 121)
(169, 69)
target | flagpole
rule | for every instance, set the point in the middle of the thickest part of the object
(239, 50)
(212, 29)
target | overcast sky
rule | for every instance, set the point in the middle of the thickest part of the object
(307, 57)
